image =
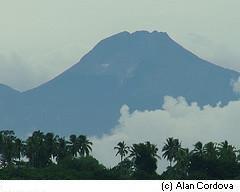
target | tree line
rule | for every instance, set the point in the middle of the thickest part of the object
(49, 156)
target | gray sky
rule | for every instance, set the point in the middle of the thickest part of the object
(39, 39)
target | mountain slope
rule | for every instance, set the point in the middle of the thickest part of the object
(136, 69)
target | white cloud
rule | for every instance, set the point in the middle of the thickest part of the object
(188, 122)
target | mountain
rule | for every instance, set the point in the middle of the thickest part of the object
(8, 101)
(6, 92)
(137, 69)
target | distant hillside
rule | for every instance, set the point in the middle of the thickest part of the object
(136, 69)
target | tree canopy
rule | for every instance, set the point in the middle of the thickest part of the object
(49, 156)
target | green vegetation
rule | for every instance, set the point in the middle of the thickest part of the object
(48, 156)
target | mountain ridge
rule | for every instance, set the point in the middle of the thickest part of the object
(137, 69)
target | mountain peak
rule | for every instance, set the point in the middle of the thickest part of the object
(141, 34)
(148, 33)
(125, 51)
(137, 69)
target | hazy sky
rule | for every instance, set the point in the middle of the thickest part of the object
(39, 39)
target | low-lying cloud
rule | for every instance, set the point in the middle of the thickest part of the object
(188, 122)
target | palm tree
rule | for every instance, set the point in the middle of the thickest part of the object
(183, 161)
(138, 149)
(51, 143)
(198, 149)
(84, 145)
(153, 149)
(36, 150)
(144, 157)
(227, 152)
(74, 145)
(122, 150)
(210, 151)
(170, 149)
(7, 149)
(19, 147)
(61, 149)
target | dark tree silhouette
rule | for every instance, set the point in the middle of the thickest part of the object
(122, 150)
(144, 156)
(74, 145)
(62, 151)
(8, 147)
(84, 146)
(170, 149)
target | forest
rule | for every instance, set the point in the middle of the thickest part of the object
(49, 156)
